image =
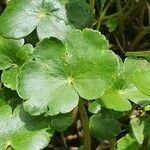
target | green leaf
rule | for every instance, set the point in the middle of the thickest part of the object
(147, 108)
(146, 121)
(79, 13)
(114, 99)
(103, 127)
(13, 55)
(9, 77)
(22, 132)
(61, 122)
(83, 66)
(137, 126)
(141, 78)
(136, 96)
(21, 17)
(127, 143)
(111, 24)
(94, 107)
(2, 98)
(110, 113)
(117, 96)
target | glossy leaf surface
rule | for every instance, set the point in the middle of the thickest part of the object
(22, 132)
(21, 17)
(13, 55)
(63, 72)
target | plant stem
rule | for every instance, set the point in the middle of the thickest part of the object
(85, 126)
(139, 37)
(121, 22)
(139, 53)
(144, 144)
(63, 138)
(100, 147)
(113, 144)
(92, 3)
(102, 14)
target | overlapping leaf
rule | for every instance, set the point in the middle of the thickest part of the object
(128, 142)
(22, 132)
(82, 66)
(141, 78)
(117, 96)
(49, 17)
(12, 56)
(22, 17)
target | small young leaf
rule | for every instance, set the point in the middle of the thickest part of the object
(111, 24)
(127, 143)
(22, 132)
(137, 129)
(13, 55)
(114, 99)
(9, 77)
(94, 107)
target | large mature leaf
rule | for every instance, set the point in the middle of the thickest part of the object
(12, 56)
(22, 132)
(117, 96)
(103, 127)
(21, 17)
(83, 65)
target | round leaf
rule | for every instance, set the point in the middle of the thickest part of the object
(22, 132)
(21, 17)
(82, 66)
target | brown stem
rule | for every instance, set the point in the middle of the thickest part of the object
(85, 126)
